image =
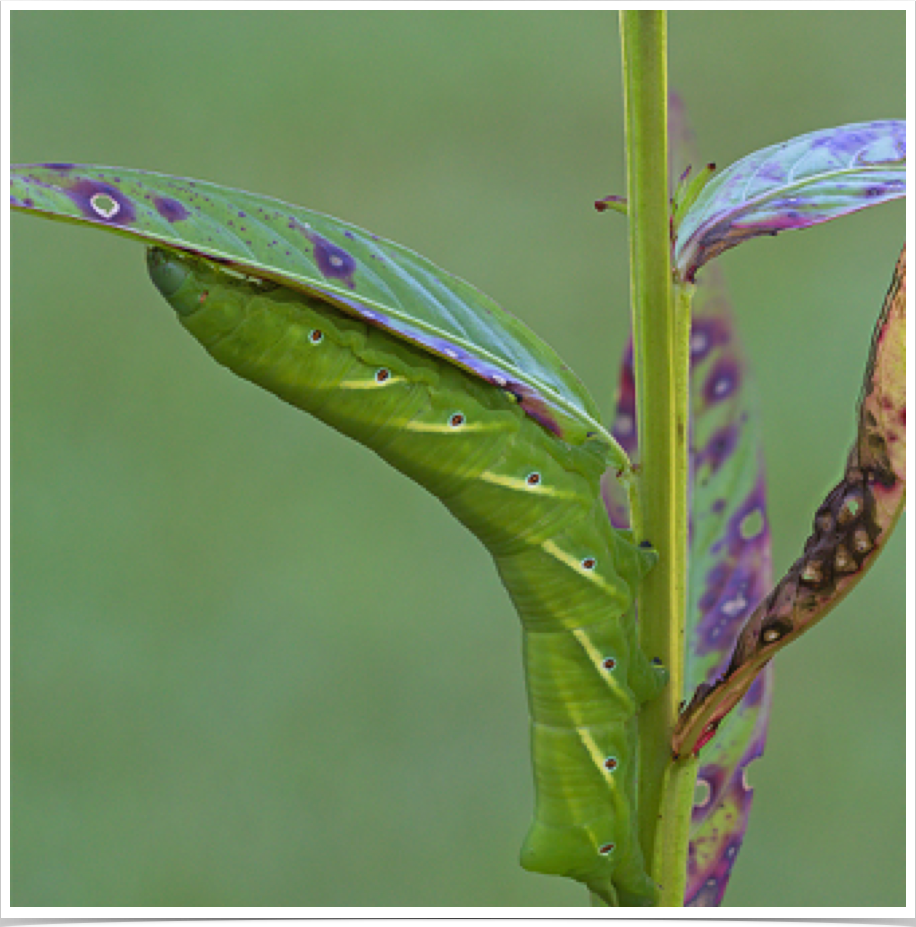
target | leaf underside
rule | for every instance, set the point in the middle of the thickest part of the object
(793, 185)
(375, 280)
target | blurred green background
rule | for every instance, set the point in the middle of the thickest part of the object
(253, 666)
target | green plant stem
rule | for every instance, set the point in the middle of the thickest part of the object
(672, 835)
(672, 838)
(660, 357)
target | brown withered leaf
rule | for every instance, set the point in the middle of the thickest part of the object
(850, 529)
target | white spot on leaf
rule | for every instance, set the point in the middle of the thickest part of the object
(106, 206)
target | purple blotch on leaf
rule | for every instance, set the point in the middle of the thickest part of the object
(170, 209)
(723, 380)
(333, 262)
(706, 334)
(719, 448)
(728, 596)
(102, 202)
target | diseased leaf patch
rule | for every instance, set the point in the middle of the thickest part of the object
(729, 569)
(850, 529)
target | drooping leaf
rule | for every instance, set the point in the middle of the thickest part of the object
(850, 529)
(376, 280)
(799, 183)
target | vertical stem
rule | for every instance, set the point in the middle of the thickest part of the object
(660, 365)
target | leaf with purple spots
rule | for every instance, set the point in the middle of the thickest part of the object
(850, 529)
(729, 571)
(729, 563)
(376, 280)
(802, 182)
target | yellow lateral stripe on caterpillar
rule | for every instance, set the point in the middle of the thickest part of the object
(370, 384)
(434, 427)
(588, 572)
(598, 660)
(523, 485)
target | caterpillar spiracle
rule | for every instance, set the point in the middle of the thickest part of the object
(534, 502)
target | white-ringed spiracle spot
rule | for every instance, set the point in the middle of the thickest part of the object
(609, 664)
(316, 336)
(382, 374)
(589, 563)
(533, 479)
(611, 763)
(456, 420)
(607, 849)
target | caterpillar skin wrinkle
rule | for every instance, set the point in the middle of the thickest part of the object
(531, 498)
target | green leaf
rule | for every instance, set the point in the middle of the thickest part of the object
(850, 529)
(371, 278)
(802, 182)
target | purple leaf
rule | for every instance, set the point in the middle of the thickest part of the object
(802, 182)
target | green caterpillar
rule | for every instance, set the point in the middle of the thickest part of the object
(532, 499)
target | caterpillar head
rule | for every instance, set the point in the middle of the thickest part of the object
(177, 279)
